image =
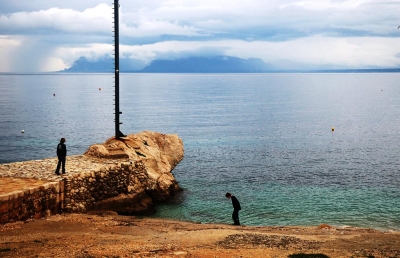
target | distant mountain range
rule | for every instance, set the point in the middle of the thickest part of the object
(216, 64)
(102, 65)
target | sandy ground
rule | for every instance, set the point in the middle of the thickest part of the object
(110, 235)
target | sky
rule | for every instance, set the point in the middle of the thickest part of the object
(43, 35)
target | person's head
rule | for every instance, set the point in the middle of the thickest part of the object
(228, 195)
(62, 140)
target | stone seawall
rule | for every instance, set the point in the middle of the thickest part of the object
(34, 202)
(90, 190)
(79, 192)
(96, 180)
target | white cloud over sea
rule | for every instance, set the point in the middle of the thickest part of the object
(39, 35)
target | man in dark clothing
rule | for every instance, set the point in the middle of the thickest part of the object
(236, 208)
(61, 154)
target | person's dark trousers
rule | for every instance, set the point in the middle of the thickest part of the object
(235, 217)
(61, 162)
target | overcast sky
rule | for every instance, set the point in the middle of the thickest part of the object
(43, 35)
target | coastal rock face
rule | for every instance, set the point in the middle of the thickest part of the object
(152, 156)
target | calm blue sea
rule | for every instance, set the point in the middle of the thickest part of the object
(266, 138)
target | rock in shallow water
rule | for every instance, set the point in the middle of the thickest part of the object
(154, 155)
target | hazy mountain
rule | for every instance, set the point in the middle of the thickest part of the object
(104, 65)
(217, 64)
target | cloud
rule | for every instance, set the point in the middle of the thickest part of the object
(308, 33)
(150, 28)
(92, 20)
(7, 46)
(352, 52)
(92, 52)
(27, 54)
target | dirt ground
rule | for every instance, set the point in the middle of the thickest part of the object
(110, 235)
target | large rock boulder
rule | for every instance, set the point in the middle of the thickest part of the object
(155, 154)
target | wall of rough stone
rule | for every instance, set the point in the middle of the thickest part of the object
(75, 193)
(35, 202)
(83, 190)
(79, 192)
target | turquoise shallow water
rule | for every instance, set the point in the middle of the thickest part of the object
(266, 138)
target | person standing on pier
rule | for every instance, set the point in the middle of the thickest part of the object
(236, 208)
(61, 154)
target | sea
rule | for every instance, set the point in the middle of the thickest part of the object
(298, 149)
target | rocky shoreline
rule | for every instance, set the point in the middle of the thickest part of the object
(109, 235)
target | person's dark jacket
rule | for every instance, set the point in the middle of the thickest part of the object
(235, 203)
(61, 150)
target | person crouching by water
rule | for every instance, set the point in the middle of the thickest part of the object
(61, 154)
(236, 208)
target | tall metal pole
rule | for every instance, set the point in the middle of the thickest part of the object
(118, 133)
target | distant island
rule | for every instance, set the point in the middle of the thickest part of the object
(214, 64)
